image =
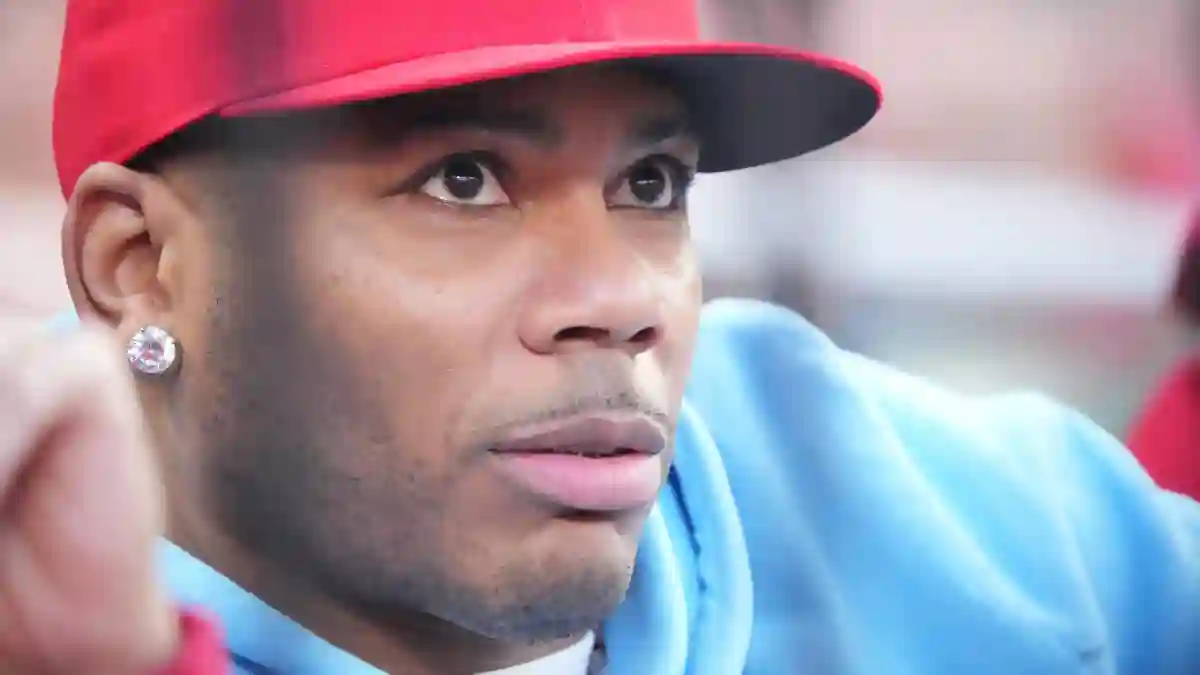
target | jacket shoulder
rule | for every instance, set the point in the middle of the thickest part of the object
(1011, 516)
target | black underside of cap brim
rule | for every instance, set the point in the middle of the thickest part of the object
(753, 109)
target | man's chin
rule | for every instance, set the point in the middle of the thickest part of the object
(615, 531)
(549, 597)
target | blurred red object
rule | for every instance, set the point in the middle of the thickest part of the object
(1166, 439)
(201, 647)
(1154, 140)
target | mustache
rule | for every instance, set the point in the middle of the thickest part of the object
(576, 403)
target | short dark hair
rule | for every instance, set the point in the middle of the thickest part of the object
(246, 195)
(189, 140)
(211, 134)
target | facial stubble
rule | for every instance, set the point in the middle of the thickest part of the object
(304, 472)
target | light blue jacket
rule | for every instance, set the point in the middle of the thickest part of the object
(827, 515)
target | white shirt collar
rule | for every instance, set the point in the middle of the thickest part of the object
(573, 660)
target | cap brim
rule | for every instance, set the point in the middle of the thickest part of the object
(753, 104)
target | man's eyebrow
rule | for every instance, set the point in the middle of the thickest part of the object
(655, 130)
(527, 124)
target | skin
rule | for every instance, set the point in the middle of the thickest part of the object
(352, 342)
(81, 507)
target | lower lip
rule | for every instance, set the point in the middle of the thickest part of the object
(618, 483)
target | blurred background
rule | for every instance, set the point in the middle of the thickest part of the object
(1012, 220)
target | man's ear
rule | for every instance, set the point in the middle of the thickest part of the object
(117, 240)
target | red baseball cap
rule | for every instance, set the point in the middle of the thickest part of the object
(135, 71)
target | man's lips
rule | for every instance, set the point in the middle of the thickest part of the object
(598, 462)
(594, 435)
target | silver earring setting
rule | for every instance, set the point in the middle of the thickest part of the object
(152, 351)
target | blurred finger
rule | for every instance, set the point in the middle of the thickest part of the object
(47, 379)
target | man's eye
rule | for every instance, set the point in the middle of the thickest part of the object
(658, 182)
(465, 179)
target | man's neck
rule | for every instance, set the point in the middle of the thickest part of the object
(399, 643)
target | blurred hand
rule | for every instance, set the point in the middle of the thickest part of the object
(81, 507)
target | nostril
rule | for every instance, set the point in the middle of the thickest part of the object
(581, 333)
(645, 336)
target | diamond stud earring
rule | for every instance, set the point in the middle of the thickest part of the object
(152, 351)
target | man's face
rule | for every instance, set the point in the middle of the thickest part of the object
(445, 277)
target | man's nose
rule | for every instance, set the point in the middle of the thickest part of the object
(594, 289)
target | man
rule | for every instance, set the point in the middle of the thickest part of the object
(1166, 437)
(412, 308)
